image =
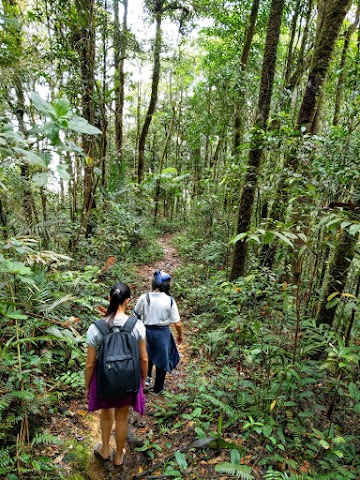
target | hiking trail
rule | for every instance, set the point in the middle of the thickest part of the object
(79, 426)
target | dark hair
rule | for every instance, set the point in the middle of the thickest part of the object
(118, 294)
(163, 285)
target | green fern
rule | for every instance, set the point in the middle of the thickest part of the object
(5, 458)
(44, 438)
(230, 412)
(5, 401)
(24, 395)
(242, 472)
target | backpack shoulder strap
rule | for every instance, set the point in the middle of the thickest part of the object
(129, 324)
(171, 301)
(102, 326)
(148, 297)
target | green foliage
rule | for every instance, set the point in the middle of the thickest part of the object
(245, 372)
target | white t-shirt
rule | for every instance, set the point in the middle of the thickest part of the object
(94, 337)
(162, 309)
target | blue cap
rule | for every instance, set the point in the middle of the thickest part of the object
(161, 276)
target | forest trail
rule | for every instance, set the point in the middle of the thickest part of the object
(160, 445)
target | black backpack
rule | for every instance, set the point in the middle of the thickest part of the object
(118, 362)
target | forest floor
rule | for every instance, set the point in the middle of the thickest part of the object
(161, 444)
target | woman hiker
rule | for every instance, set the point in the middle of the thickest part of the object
(158, 310)
(115, 410)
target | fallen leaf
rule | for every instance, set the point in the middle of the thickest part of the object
(304, 467)
(59, 458)
(82, 412)
(214, 461)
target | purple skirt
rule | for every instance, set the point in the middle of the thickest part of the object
(135, 400)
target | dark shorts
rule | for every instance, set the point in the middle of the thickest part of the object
(161, 347)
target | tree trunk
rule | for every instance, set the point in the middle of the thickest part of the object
(103, 116)
(353, 314)
(239, 106)
(330, 19)
(341, 78)
(265, 94)
(153, 98)
(162, 160)
(303, 60)
(3, 220)
(120, 48)
(338, 273)
(86, 47)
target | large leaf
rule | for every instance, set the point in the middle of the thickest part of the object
(80, 125)
(15, 267)
(51, 130)
(32, 156)
(41, 105)
(354, 391)
(181, 461)
(63, 173)
(40, 179)
(62, 107)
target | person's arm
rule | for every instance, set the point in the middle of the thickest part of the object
(138, 310)
(89, 368)
(143, 360)
(178, 327)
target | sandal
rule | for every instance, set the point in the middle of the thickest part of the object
(98, 455)
(119, 465)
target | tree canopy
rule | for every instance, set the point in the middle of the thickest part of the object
(233, 124)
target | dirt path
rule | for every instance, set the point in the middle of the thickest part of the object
(147, 427)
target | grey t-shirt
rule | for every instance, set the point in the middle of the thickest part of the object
(162, 309)
(94, 337)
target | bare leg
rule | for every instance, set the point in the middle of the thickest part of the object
(121, 429)
(106, 423)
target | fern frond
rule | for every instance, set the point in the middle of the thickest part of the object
(242, 472)
(5, 401)
(44, 438)
(57, 302)
(5, 458)
(24, 395)
(230, 412)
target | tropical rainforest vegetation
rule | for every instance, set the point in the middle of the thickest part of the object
(233, 124)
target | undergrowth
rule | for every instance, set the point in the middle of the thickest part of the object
(286, 397)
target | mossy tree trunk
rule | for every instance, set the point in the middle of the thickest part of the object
(120, 48)
(86, 48)
(338, 274)
(239, 105)
(154, 92)
(266, 88)
(330, 20)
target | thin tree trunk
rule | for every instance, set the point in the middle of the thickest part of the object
(3, 220)
(290, 50)
(353, 313)
(162, 159)
(120, 48)
(331, 17)
(265, 94)
(102, 101)
(303, 59)
(340, 83)
(239, 106)
(338, 273)
(153, 98)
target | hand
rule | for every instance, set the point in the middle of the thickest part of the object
(86, 394)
